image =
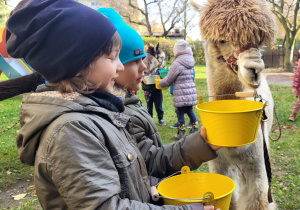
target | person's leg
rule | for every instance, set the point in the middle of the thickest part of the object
(149, 100)
(181, 129)
(295, 110)
(180, 115)
(158, 100)
(176, 125)
(191, 114)
(193, 119)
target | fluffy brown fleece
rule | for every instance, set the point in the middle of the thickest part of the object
(153, 50)
(237, 21)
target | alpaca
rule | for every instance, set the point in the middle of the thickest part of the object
(154, 60)
(233, 31)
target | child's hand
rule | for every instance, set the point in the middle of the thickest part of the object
(203, 135)
(196, 206)
(144, 81)
(210, 208)
(294, 90)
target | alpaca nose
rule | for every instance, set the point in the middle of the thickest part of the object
(254, 72)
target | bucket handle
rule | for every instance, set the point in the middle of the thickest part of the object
(207, 197)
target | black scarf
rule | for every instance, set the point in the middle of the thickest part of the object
(107, 100)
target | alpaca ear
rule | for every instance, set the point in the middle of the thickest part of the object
(156, 48)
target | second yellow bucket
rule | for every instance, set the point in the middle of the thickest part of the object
(231, 123)
(191, 187)
(156, 84)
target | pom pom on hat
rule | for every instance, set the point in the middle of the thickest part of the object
(180, 46)
(132, 43)
(57, 38)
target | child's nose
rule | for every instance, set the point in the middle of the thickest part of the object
(143, 66)
(120, 66)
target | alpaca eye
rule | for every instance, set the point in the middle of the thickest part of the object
(222, 41)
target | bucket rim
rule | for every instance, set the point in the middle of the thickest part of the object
(236, 145)
(231, 112)
(215, 198)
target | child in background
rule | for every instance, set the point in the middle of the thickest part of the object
(296, 89)
(75, 136)
(181, 77)
(177, 124)
(155, 60)
(161, 160)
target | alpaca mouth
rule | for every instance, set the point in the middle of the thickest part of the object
(253, 84)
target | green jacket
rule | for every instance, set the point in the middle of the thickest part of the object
(163, 160)
(83, 156)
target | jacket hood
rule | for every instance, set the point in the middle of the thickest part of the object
(185, 58)
(131, 99)
(39, 110)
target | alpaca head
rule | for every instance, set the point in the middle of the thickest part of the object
(155, 58)
(237, 29)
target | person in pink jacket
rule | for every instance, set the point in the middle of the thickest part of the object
(296, 89)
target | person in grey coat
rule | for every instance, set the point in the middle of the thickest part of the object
(181, 77)
(75, 136)
(161, 160)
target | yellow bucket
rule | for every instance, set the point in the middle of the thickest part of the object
(156, 84)
(231, 123)
(192, 187)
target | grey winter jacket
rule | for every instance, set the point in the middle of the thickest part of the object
(83, 156)
(181, 77)
(163, 160)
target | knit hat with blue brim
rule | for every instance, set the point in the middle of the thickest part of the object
(132, 42)
(57, 38)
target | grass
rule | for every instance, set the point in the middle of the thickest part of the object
(285, 153)
(3, 77)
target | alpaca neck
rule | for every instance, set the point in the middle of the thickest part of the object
(222, 81)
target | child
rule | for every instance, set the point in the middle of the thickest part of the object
(180, 76)
(296, 89)
(161, 160)
(154, 61)
(75, 137)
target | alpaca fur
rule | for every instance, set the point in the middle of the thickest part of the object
(228, 26)
(155, 59)
(237, 21)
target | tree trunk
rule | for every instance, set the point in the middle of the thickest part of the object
(288, 57)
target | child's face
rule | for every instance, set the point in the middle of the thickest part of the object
(132, 75)
(106, 70)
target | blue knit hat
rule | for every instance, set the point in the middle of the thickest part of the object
(58, 38)
(132, 42)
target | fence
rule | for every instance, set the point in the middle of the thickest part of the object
(275, 58)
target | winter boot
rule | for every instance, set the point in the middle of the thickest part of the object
(176, 125)
(180, 133)
(162, 122)
(190, 125)
(292, 117)
(194, 128)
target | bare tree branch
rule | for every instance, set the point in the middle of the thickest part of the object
(287, 13)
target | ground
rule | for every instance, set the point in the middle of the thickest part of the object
(279, 78)
(20, 187)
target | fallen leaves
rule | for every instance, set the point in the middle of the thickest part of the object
(19, 197)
